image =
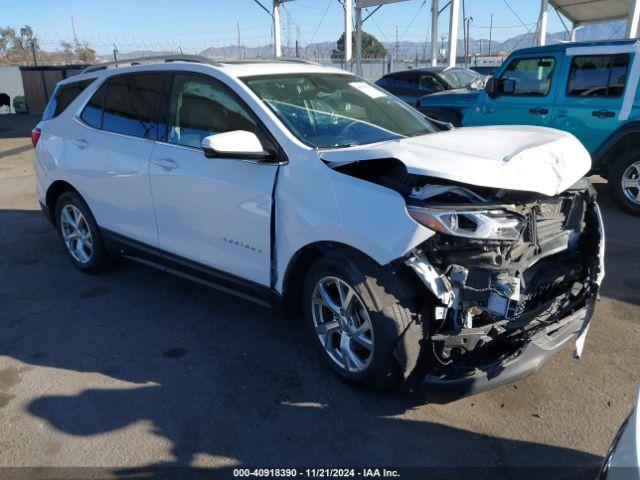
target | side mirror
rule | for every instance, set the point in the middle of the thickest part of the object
(236, 144)
(508, 86)
(492, 87)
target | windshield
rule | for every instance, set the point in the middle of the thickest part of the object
(335, 110)
(462, 78)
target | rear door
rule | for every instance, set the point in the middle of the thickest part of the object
(213, 211)
(109, 154)
(531, 102)
(590, 104)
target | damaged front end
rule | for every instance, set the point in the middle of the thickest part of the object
(514, 275)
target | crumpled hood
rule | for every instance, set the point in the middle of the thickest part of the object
(534, 159)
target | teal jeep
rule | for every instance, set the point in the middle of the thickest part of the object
(587, 89)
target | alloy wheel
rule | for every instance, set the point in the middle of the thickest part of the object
(342, 324)
(631, 183)
(76, 234)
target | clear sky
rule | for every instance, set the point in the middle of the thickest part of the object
(197, 24)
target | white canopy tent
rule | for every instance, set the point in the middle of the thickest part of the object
(579, 12)
(582, 12)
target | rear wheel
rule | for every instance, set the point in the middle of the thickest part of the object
(624, 181)
(354, 321)
(79, 234)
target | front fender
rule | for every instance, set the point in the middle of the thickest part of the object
(317, 204)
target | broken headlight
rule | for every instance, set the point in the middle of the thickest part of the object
(478, 224)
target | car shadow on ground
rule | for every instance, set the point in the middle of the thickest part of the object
(218, 376)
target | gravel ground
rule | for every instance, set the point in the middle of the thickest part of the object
(137, 368)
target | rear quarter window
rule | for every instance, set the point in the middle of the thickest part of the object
(62, 97)
(92, 113)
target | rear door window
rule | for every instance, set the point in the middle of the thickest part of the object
(131, 104)
(62, 97)
(532, 76)
(598, 75)
(92, 113)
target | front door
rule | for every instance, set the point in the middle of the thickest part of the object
(530, 99)
(590, 105)
(213, 211)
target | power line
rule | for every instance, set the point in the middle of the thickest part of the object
(503, 26)
(517, 16)
(413, 19)
(380, 29)
(320, 23)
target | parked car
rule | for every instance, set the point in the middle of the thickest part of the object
(451, 262)
(587, 89)
(623, 460)
(411, 85)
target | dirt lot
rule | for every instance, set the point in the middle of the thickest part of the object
(136, 368)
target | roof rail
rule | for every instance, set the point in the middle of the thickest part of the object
(269, 60)
(154, 59)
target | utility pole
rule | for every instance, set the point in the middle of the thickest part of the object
(397, 45)
(297, 41)
(275, 15)
(348, 34)
(434, 32)
(115, 54)
(33, 51)
(542, 23)
(490, 33)
(76, 41)
(467, 56)
(288, 33)
(239, 42)
(464, 32)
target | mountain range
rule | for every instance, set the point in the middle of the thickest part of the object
(409, 50)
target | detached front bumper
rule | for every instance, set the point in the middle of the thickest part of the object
(527, 361)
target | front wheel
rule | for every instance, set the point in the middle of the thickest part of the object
(353, 320)
(624, 181)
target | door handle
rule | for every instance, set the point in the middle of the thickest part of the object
(539, 111)
(166, 164)
(81, 143)
(603, 113)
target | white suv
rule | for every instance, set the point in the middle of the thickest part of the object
(449, 261)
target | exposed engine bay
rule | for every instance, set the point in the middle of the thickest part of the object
(502, 265)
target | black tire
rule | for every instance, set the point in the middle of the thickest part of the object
(615, 181)
(98, 258)
(389, 315)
